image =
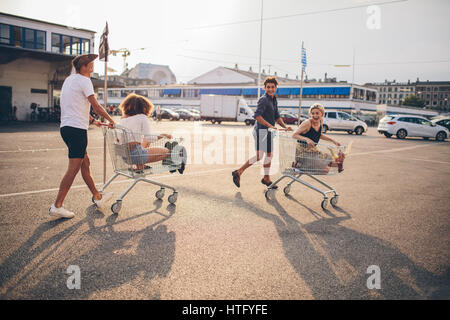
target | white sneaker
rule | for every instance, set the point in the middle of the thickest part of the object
(60, 212)
(103, 201)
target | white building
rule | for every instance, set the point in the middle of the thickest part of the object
(160, 74)
(35, 58)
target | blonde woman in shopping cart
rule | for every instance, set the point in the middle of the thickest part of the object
(135, 112)
(310, 131)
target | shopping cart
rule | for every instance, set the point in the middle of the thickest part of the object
(118, 140)
(297, 159)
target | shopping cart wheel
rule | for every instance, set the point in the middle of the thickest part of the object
(334, 200)
(115, 208)
(324, 204)
(269, 194)
(286, 190)
(160, 194)
(173, 197)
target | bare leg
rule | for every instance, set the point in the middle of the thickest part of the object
(67, 180)
(267, 163)
(87, 177)
(250, 162)
(157, 154)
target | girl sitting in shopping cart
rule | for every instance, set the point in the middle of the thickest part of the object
(135, 117)
(310, 132)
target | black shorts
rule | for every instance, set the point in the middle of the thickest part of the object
(76, 140)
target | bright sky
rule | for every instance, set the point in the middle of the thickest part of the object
(392, 39)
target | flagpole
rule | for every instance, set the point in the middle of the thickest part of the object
(105, 99)
(301, 88)
(260, 48)
(103, 51)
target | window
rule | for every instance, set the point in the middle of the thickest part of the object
(29, 39)
(142, 92)
(332, 115)
(76, 46)
(56, 43)
(395, 89)
(344, 116)
(4, 34)
(40, 40)
(69, 45)
(85, 46)
(113, 93)
(22, 37)
(66, 45)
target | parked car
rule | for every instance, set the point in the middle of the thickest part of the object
(290, 118)
(341, 121)
(187, 115)
(194, 111)
(412, 126)
(169, 114)
(444, 122)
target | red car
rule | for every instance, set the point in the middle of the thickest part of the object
(289, 118)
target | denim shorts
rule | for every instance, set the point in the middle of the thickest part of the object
(138, 154)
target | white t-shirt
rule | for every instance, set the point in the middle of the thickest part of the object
(74, 101)
(138, 125)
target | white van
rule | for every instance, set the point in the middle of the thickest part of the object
(341, 121)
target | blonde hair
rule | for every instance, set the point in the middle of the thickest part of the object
(317, 106)
(136, 104)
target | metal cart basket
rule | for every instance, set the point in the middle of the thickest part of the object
(123, 158)
(297, 159)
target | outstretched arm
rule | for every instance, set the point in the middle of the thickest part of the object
(324, 137)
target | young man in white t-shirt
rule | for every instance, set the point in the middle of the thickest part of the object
(77, 95)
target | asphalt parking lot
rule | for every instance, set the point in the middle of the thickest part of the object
(223, 242)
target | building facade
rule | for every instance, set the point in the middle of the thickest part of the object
(146, 71)
(435, 94)
(35, 58)
(392, 92)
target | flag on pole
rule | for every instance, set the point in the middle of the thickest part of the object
(304, 59)
(103, 50)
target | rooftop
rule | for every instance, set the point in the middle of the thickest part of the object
(46, 22)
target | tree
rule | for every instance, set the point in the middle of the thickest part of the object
(414, 101)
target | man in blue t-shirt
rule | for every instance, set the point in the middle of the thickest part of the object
(266, 116)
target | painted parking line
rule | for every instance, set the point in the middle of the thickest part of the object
(42, 150)
(198, 173)
(416, 159)
(392, 150)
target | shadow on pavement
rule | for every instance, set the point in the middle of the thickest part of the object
(107, 258)
(333, 259)
(23, 126)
